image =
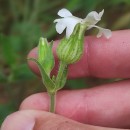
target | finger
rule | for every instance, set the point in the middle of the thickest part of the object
(105, 58)
(39, 120)
(107, 105)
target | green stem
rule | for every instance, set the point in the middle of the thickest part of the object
(52, 102)
(58, 81)
(60, 73)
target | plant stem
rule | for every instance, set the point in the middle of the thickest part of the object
(52, 102)
(60, 73)
(59, 78)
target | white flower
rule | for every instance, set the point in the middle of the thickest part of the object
(68, 22)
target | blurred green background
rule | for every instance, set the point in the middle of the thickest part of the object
(22, 22)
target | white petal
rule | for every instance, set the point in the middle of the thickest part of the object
(71, 23)
(56, 20)
(107, 33)
(64, 13)
(101, 13)
(60, 26)
(99, 34)
(93, 17)
(69, 30)
(90, 26)
(102, 31)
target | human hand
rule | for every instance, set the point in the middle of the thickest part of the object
(105, 106)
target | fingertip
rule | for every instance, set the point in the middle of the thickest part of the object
(31, 64)
(18, 121)
(103, 58)
(41, 101)
(38, 101)
(93, 106)
(33, 53)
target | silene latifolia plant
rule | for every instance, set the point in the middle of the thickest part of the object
(69, 50)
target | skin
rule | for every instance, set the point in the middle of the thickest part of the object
(104, 107)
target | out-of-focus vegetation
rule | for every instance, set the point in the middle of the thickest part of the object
(22, 22)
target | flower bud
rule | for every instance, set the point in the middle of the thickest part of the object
(45, 55)
(70, 50)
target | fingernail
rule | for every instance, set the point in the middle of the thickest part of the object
(29, 126)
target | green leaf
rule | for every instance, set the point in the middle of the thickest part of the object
(49, 84)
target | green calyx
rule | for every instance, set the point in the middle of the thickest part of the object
(45, 63)
(70, 50)
(45, 55)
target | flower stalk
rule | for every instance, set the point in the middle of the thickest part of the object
(62, 69)
(60, 75)
(52, 102)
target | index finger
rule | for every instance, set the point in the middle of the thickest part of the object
(103, 58)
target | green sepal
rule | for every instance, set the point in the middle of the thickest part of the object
(49, 84)
(45, 55)
(70, 50)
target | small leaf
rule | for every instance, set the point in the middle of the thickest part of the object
(49, 84)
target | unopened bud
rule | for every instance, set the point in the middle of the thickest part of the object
(45, 55)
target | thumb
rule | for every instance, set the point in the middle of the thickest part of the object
(39, 120)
